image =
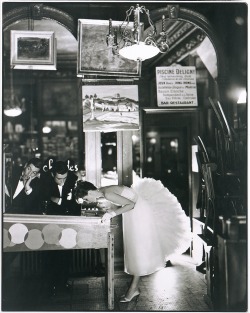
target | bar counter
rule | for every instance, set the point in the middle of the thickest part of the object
(23, 232)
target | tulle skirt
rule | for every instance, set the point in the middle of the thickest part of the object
(154, 230)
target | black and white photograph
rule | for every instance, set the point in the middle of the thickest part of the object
(124, 156)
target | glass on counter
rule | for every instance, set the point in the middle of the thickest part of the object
(93, 208)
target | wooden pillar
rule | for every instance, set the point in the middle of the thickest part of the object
(124, 158)
(124, 170)
(93, 163)
(110, 269)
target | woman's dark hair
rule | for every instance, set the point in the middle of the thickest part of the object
(82, 188)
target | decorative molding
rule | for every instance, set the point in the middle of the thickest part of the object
(39, 12)
(170, 110)
(36, 11)
(177, 34)
(47, 219)
(199, 22)
(173, 11)
(185, 46)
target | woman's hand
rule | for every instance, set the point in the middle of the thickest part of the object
(104, 205)
(107, 216)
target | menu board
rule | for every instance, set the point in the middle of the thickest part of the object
(176, 86)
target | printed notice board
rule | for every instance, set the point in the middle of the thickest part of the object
(176, 86)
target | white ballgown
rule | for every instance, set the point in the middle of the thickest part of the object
(155, 229)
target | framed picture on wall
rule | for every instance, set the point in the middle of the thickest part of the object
(110, 107)
(96, 56)
(33, 50)
(176, 86)
(59, 98)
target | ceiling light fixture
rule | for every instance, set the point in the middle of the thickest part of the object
(132, 45)
(47, 130)
(12, 112)
(13, 108)
(242, 97)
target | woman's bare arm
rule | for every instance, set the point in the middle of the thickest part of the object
(125, 204)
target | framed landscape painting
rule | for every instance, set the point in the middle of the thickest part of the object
(110, 108)
(96, 57)
(33, 50)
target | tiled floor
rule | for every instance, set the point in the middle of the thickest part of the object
(176, 288)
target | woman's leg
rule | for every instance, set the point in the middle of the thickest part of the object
(134, 286)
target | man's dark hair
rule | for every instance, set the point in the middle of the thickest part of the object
(82, 188)
(59, 167)
(36, 162)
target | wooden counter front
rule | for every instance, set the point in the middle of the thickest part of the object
(52, 232)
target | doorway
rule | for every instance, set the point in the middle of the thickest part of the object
(168, 136)
(167, 160)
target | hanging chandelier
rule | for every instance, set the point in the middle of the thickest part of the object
(132, 46)
(13, 107)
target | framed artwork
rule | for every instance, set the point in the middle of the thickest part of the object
(33, 50)
(110, 108)
(94, 55)
(176, 86)
(59, 98)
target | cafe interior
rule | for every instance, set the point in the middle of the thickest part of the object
(120, 90)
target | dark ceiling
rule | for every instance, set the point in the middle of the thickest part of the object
(229, 20)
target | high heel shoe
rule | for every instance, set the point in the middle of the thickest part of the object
(124, 299)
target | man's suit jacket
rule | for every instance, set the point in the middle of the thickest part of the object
(23, 203)
(50, 189)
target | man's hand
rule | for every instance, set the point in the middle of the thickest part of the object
(28, 181)
(27, 184)
(55, 200)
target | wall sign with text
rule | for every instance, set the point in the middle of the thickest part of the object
(176, 86)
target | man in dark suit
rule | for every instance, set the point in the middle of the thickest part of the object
(23, 193)
(58, 186)
(58, 191)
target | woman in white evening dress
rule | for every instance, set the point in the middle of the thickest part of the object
(154, 226)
